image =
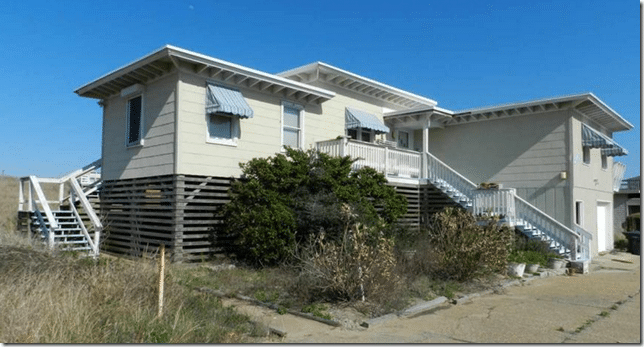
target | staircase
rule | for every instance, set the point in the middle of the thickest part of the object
(68, 235)
(516, 212)
(58, 222)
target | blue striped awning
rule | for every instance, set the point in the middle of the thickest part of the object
(359, 119)
(220, 99)
(594, 139)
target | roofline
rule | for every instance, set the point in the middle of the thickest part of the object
(419, 110)
(375, 84)
(626, 125)
(172, 51)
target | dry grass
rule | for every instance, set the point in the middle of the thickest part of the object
(53, 297)
(9, 200)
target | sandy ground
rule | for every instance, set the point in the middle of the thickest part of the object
(600, 307)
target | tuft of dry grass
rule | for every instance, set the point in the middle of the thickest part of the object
(54, 297)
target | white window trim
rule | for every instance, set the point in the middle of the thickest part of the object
(139, 143)
(581, 213)
(234, 121)
(301, 129)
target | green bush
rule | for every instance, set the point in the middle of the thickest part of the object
(633, 222)
(621, 244)
(283, 200)
(466, 249)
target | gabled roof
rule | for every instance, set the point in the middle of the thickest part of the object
(168, 59)
(356, 83)
(586, 104)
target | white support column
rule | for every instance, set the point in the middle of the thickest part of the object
(426, 125)
(343, 146)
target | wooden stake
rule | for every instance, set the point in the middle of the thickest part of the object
(161, 279)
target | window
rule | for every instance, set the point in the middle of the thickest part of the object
(604, 161)
(579, 213)
(403, 139)
(352, 133)
(292, 124)
(586, 155)
(134, 120)
(366, 136)
(223, 129)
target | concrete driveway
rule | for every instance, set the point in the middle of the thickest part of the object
(600, 307)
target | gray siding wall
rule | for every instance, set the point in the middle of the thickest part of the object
(156, 155)
(523, 152)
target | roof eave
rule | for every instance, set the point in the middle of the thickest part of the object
(173, 53)
(376, 89)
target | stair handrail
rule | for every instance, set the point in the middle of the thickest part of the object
(85, 169)
(584, 244)
(84, 230)
(43, 202)
(456, 180)
(559, 232)
(98, 226)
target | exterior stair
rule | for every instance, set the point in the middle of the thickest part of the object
(452, 192)
(68, 236)
(68, 222)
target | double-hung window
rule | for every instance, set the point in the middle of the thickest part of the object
(134, 120)
(292, 125)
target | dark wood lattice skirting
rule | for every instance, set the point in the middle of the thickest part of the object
(180, 211)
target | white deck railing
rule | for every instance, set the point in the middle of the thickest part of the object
(505, 202)
(389, 161)
(439, 171)
(36, 202)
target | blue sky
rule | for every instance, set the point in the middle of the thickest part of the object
(462, 54)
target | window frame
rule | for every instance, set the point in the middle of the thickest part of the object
(300, 130)
(234, 130)
(579, 213)
(139, 142)
(586, 155)
(400, 132)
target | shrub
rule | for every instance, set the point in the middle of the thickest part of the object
(621, 244)
(632, 222)
(283, 201)
(466, 249)
(361, 265)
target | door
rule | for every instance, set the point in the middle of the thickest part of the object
(602, 226)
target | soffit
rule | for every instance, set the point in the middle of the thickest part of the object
(170, 59)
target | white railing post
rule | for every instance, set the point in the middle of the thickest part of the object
(43, 202)
(32, 201)
(21, 196)
(343, 146)
(387, 162)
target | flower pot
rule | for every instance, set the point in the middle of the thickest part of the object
(516, 269)
(556, 264)
(532, 267)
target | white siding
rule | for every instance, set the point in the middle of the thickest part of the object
(156, 156)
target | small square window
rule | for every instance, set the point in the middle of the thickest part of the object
(134, 118)
(352, 133)
(220, 127)
(586, 155)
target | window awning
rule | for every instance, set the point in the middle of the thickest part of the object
(360, 119)
(220, 99)
(594, 139)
